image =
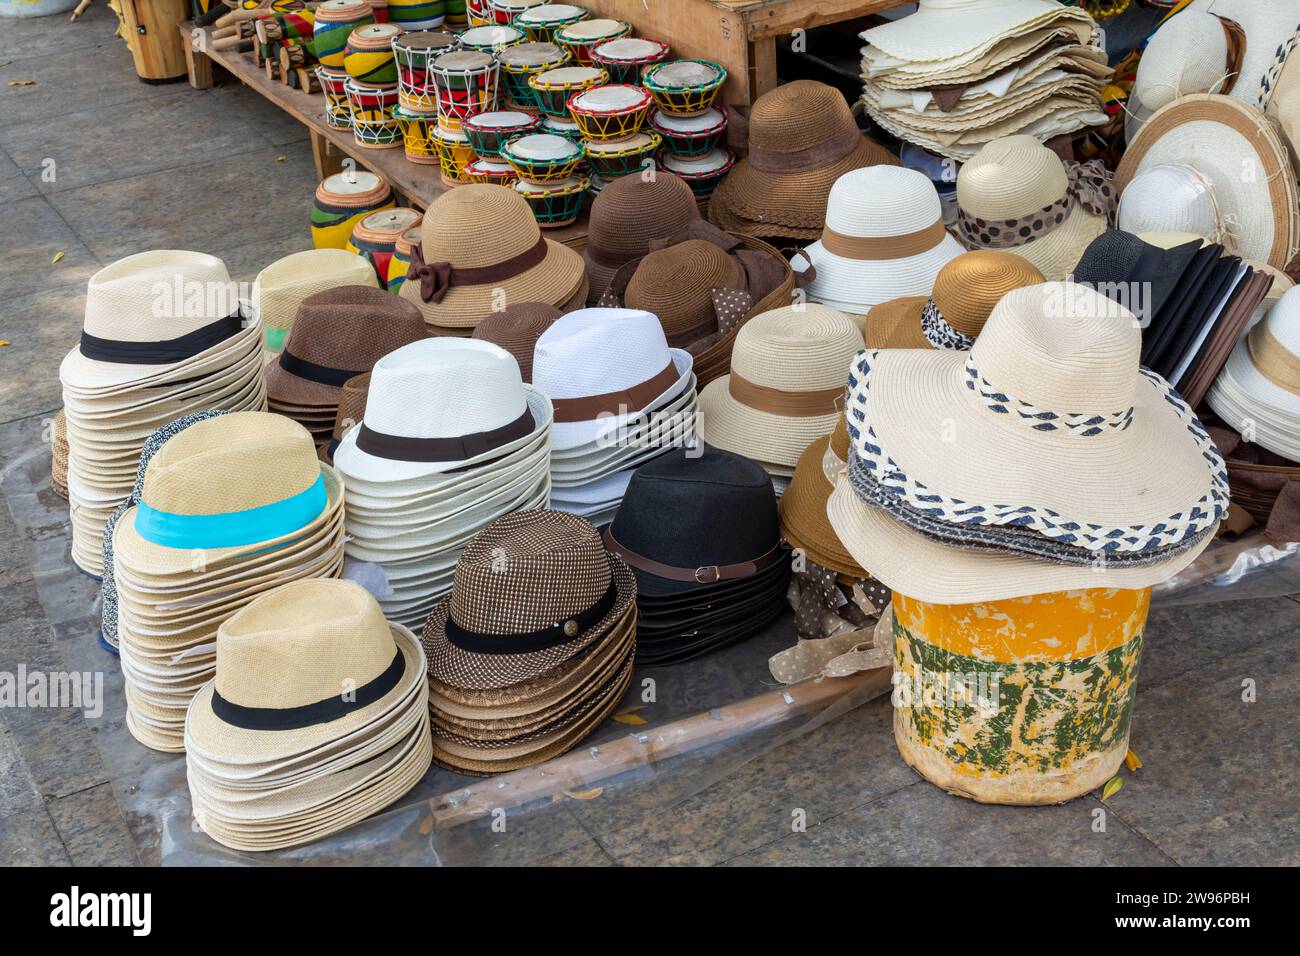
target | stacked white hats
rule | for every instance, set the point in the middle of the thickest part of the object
(317, 717)
(957, 74)
(622, 397)
(163, 337)
(451, 439)
(1258, 391)
(229, 509)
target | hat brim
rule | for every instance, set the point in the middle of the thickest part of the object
(896, 324)
(856, 285)
(565, 435)
(935, 35)
(87, 375)
(802, 513)
(758, 435)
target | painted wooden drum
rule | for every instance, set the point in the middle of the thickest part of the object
(555, 204)
(543, 157)
(400, 262)
(580, 37)
(381, 10)
(343, 200)
(685, 87)
(610, 159)
(525, 60)
(690, 135)
(417, 135)
(625, 58)
(375, 237)
(416, 15)
(1022, 701)
(457, 15)
(610, 112)
(413, 53)
(373, 124)
(491, 39)
(562, 126)
(505, 11)
(335, 21)
(478, 13)
(553, 88)
(466, 84)
(454, 154)
(495, 172)
(488, 132)
(701, 173)
(338, 113)
(541, 22)
(368, 57)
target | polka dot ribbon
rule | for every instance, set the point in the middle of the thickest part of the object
(1089, 186)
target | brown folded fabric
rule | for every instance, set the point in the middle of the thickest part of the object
(1214, 355)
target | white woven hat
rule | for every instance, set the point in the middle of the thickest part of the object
(884, 238)
(280, 288)
(601, 367)
(944, 29)
(1279, 91)
(1171, 198)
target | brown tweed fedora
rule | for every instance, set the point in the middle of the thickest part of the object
(516, 328)
(677, 285)
(802, 137)
(352, 408)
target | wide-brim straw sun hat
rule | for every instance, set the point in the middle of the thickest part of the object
(281, 287)
(803, 506)
(942, 30)
(1279, 91)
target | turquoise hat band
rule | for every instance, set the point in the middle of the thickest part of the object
(233, 529)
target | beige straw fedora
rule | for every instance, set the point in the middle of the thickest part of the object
(282, 286)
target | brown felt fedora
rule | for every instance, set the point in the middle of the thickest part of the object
(516, 328)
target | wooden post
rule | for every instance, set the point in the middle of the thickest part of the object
(327, 156)
(197, 62)
(763, 57)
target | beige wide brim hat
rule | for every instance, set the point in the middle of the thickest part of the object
(281, 287)
(948, 29)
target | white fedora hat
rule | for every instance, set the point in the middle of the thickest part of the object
(884, 238)
(944, 29)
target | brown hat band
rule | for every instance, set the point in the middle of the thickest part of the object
(1235, 36)
(1273, 360)
(775, 401)
(457, 448)
(708, 574)
(590, 407)
(816, 156)
(884, 247)
(437, 277)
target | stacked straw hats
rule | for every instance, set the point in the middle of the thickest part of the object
(699, 529)
(884, 237)
(352, 407)
(59, 455)
(516, 328)
(316, 718)
(802, 138)
(451, 439)
(957, 74)
(338, 334)
(1044, 459)
(456, 277)
(621, 396)
(162, 338)
(230, 508)
(802, 509)
(282, 286)
(534, 645)
(785, 388)
(1018, 196)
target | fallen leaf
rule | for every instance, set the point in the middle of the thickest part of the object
(3, 343)
(584, 794)
(1113, 786)
(6, 63)
(57, 256)
(281, 159)
(1132, 761)
(627, 717)
(426, 825)
(22, 82)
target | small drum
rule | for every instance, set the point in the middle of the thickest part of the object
(701, 173)
(335, 20)
(627, 57)
(562, 126)
(478, 13)
(343, 200)
(580, 37)
(466, 84)
(491, 39)
(542, 157)
(454, 154)
(337, 112)
(400, 262)
(610, 159)
(488, 132)
(457, 14)
(690, 135)
(555, 204)
(413, 52)
(685, 87)
(491, 171)
(554, 87)
(417, 135)
(381, 10)
(525, 60)
(505, 11)
(541, 23)
(417, 14)
(610, 112)
(368, 57)
(373, 124)
(375, 237)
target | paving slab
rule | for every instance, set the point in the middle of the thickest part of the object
(91, 827)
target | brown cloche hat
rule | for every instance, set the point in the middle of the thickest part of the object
(677, 285)
(516, 328)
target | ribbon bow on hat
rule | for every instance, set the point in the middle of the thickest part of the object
(437, 277)
(1088, 185)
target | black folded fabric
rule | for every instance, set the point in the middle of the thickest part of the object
(1179, 303)
(1205, 307)
(1118, 264)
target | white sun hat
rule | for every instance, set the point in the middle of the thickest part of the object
(945, 29)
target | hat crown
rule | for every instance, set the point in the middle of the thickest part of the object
(674, 284)
(1284, 320)
(478, 225)
(516, 328)
(783, 118)
(353, 326)
(1169, 197)
(969, 286)
(311, 268)
(632, 210)
(158, 295)
(1010, 177)
(596, 351)
(797, 348)
(882, 201)
(302, 643)
(1188, 54)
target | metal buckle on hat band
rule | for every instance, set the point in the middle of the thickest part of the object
(707, 575)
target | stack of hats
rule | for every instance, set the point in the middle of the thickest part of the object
(621, 396)
(230, 508)
(316, 718)
(338, 334)
(281, 287)
(451, 439)
(1043, 459)
(162, 338)
(457, 279)
(352, 408)
(785, 387)
(59, 455)
(802, 138)
(884, 237)
(534, 645)
(516, 328)
(957, 74)
(699, 530)
(1018, 196)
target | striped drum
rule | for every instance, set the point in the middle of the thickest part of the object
(343, 200)
(375, 237)
(401, 259)
(417, 14)
(1021, 701)
(413, 53)
(335, 21)
(368, 57)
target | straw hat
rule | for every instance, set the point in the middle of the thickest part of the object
(1279, 91)
(1140, 275)
(803, 506)
(352, 407)
(456, 278)
(884, 238)
(944, 29)
(677, 284)
(282, 286)
(516, 328)
(965, 292)
(59, 455)
(786, 385)
(1017, 195)
(802, 138)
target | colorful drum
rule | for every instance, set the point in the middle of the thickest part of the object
(505, 11)
(417, 135)
(381, 10)
(373, 124)
(580, 37)
(338, 113)
(478, 13)
(541, 23)
(553, 88)
(685, 87)
(368, 57)
(610, 112)
(492, 171)
(417, 14)
(375, 237)
(456, 14)
(400, 263)
(343, 200)
(555, 204)
(488, 132)
(542, 157)
(625, 58)
(525, 60)
(562, 126)
(454, 154)
(466, 84)
(413, 53)
(1022, 701)
(610, 159)
(335, 21)
(701, 173)
(690, 135)
(491, 39)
